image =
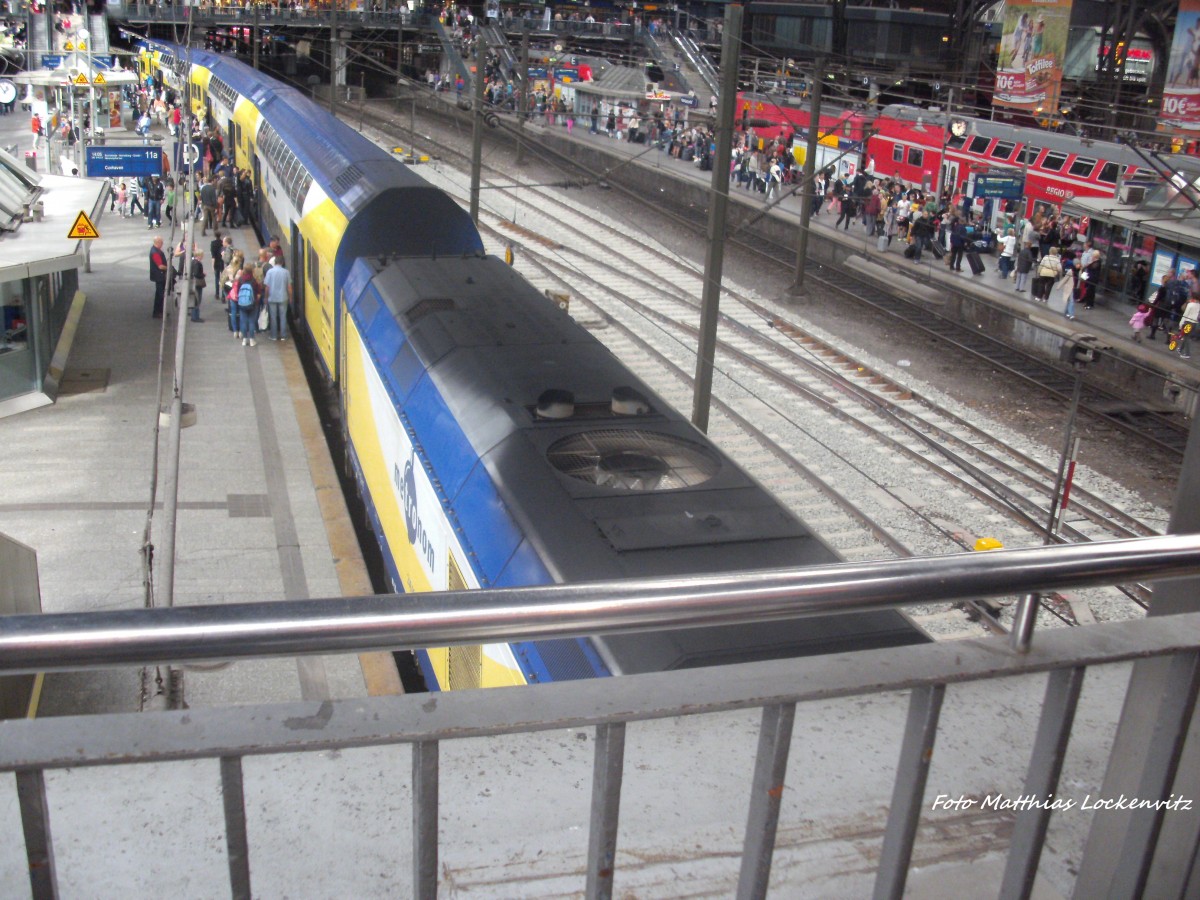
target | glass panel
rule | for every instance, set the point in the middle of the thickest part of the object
(1082, 167)
(916, 156)
(979, 144)
(1108, 173)
(1054, 161)
(1003, 149)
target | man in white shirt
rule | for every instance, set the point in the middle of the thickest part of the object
(1008, 245)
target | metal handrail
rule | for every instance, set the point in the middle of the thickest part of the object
(72, 641)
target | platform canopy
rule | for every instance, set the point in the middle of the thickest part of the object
(77, 70)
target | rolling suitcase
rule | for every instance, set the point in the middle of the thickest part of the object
(975, 262)
(910, 251)
(882, 243)
(936, 248)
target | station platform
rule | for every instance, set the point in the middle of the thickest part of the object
(261, 514)
(1109, 320)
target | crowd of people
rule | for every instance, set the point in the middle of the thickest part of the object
(254, 296)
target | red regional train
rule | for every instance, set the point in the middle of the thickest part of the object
(908, 143)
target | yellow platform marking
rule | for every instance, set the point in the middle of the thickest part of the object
(83, 229)
(379, 669)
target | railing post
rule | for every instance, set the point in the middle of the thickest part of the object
(766, 797)
(237, 847)
(1165, 746)
(35, 821)
(1045, 766)
(920, 732)
(607, 773)
(425, 818)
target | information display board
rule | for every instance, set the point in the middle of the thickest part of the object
(129, 162)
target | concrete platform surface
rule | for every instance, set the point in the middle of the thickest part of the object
(254, 475)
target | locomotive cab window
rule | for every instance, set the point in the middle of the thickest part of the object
(1082, 167)
(1108, 173)
(979, 144)
(1054, 161)
(1003, 149)
(916, 156)
(897, 153)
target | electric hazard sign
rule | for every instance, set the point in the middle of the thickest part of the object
(83, 229)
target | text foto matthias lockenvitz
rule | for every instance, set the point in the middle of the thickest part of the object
(1002, 802)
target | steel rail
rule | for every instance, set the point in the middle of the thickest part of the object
(73, 641)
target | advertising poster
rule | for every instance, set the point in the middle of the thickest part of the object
(1181, 93)
(1032, 46)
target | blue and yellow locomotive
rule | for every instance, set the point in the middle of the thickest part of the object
(495, 441)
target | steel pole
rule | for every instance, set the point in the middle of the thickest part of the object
(57, 642)
(1026, 613)
(715, 257)
(523, 104)
(477, 128)
(816, 88)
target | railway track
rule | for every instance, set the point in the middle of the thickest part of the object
(874, 465)
(1164, 430)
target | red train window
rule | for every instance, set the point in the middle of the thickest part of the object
(916, 156)
(1055, 161)
(1108, 173)
(955, 142)
(1028, 155)
(979, 144)
(897, 153)
(1004, 149)
(1082, 167)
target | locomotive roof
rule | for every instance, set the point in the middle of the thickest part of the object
(1045, 140)
(348, 167)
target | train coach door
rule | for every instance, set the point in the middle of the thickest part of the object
(298, 276)
(950, 176)
(234, 134)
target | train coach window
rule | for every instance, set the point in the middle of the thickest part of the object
(955, 142)
(1082, 167)
(1108, 173)
(897, 153)
(1054, 161)
(916, 156)
(1028, 155)
(1003, 149)
(979, 144)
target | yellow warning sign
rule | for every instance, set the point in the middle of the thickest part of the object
(81, 79)
(83, 229)
(68, 46)
(99, 79)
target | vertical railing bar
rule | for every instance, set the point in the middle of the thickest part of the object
(237, 844)
(1165, 746)
(35, 821)
(608, 771)
(1045, 767)
(766, 797)
(425, 818)
(916, 754)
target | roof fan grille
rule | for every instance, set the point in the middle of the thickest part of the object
(633, 460)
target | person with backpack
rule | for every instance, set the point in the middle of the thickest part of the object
(249, 295)
(1049, 270)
